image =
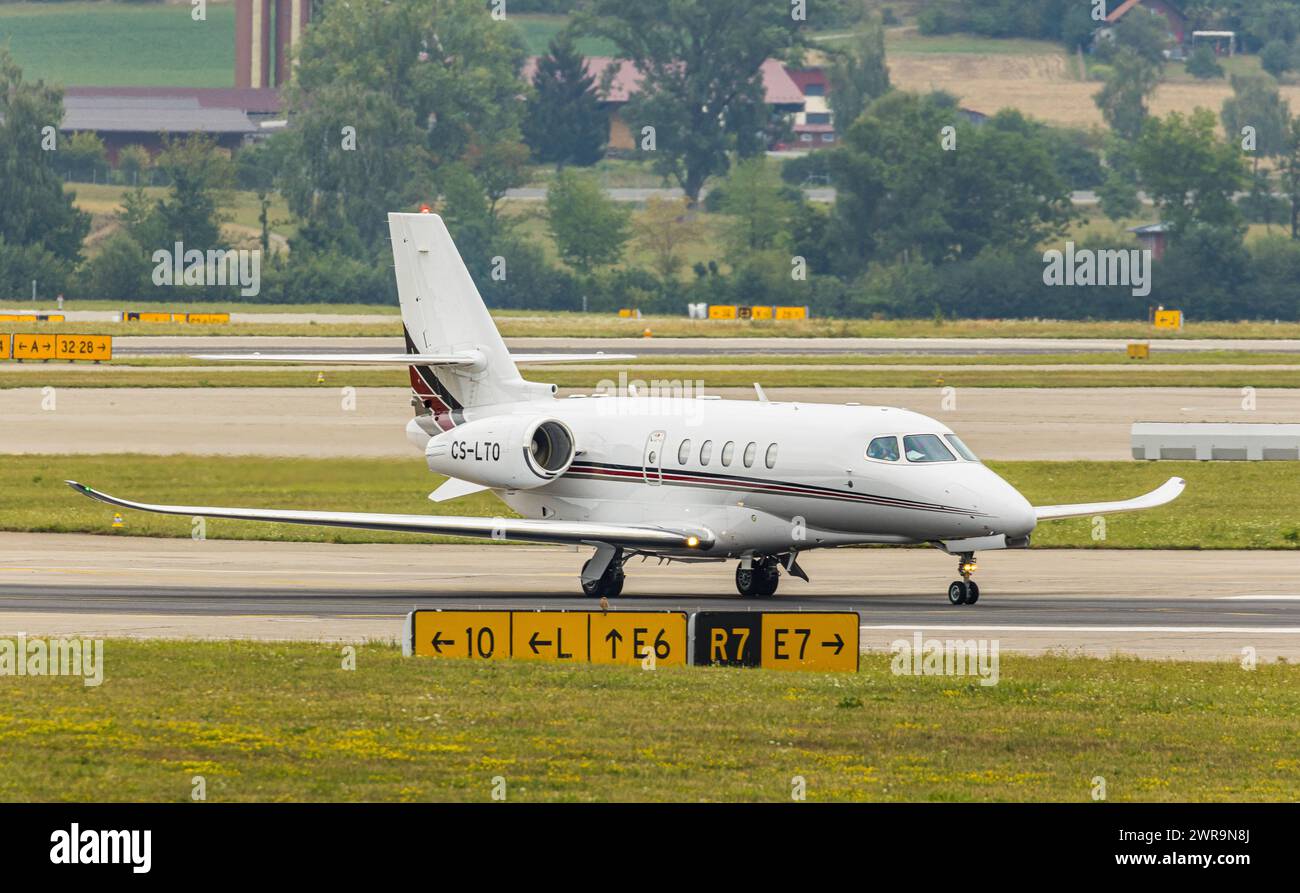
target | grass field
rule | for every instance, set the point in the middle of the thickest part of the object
(122, 44)
(64, 375)
(558, 324)
(1227, 505)
(240, 209)
(285, 722)
(217, 307)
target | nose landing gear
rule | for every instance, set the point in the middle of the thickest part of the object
(964, 591)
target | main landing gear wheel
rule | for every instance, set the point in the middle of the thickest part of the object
(964, 591)
(758, 580)
(609, 585)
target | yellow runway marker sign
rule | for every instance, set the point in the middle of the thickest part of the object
(776, 640)
(481, 635)
(810, 641)
(4, 347)
(549, 635)
(84, 347)
(34, 347)
(628, 637)
(1168, 319)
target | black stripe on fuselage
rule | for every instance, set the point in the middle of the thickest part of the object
(712, 480)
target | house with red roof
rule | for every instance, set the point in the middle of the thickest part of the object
(813, 123)
(618, 80)
(1176, 17)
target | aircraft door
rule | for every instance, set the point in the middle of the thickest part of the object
(653, 459)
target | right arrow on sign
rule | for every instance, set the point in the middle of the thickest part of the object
(837, 643)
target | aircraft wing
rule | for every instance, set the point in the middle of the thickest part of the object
(468, 358)
(488, 528)
(1162, 495)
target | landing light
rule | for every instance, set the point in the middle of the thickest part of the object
(692, 541)
(968, 567)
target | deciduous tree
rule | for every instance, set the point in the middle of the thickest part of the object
(702, 89)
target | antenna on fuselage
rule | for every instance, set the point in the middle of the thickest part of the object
(758, 389)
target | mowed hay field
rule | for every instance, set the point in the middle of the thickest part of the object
(1038, 78)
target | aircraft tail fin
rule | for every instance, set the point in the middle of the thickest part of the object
(443, 313)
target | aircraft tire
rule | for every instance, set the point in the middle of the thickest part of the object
(957, 593)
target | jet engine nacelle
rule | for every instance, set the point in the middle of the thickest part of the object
(504, 452)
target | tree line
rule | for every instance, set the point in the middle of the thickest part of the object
(938, 212)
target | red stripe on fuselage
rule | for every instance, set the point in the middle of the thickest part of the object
(776, 488)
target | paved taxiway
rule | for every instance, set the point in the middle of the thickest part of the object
(1191, 605)
(154, 345)
(999, 423)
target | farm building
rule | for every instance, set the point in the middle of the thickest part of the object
(1153, 237)
(784, 92)
(123, 116)
(1176, 17)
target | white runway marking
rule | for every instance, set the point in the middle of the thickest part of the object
(1260, 598)
(962, 627)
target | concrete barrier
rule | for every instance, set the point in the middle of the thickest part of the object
(1240, 442)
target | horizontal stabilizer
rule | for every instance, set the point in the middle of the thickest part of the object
(509, 529)
(353, 359)
(569, 357)
(468, 358)
(453, 488)
(1162, 495)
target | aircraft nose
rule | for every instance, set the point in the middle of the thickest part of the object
(1015, 516)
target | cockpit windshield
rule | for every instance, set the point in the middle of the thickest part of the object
(961, 448)
(884, 449)
(926, 448)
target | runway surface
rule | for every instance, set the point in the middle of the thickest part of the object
(1196, 605)
(998, 423)
(145, 345)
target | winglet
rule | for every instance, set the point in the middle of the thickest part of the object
(1162, 495)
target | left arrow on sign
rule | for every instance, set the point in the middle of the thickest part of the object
(438, 641)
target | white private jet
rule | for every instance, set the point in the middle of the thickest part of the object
(684, 479)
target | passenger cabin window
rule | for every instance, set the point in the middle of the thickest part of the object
(728, 452)
(961, 448)
(684, 452)
(926, 448)
(750, 452)
(883, 448)
(770, 459)
(706, 452)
